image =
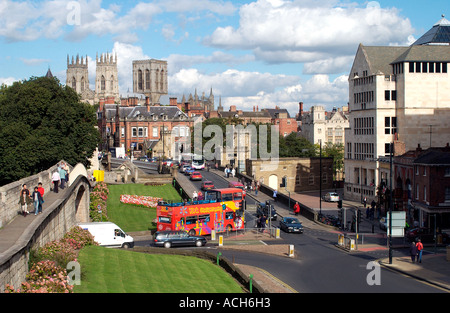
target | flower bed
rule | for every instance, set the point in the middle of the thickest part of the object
(147, 201)
(48, 273)
(99, 195)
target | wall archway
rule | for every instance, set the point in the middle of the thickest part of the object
(273, 181)
(82, 200)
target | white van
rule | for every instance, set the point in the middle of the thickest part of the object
(108, 234)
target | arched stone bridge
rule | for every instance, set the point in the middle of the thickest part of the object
(61, 211)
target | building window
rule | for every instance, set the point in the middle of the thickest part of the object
(411, 67)
(387, 95)
(133, 132)
(103, 83)
(155, 132)
(140, 80)
(417, 191)
(418, 67)
(447, 171)
(394, 95)
(324, 178)
(447, 194)
(424, 193)
(140, 132)
(122, 131)
(311, 179)
(147, 79)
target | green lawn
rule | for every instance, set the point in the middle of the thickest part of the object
(131, 217)
(119, 271)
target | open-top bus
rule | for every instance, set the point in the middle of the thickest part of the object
(222, 210)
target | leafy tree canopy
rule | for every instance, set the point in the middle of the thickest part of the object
(41, 123)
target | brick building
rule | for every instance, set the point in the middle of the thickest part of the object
(142, 128)
(422, 185)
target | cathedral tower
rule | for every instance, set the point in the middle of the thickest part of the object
(77, 74)
(150, 78)
(106, 80)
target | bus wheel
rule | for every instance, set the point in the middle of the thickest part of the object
(192, 232)
(229, 228)
(167, 244)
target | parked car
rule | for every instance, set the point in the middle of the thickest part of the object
(291, 225)
(207, 185)
(170, 238)
(188, 171)
(261, 209)
(426, 235)
(331, 197)
(196, 176)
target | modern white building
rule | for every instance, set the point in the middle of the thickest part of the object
(397, 95)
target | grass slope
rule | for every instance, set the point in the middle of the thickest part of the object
(135, 217)
(119, 271)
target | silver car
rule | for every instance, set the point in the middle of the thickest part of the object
(331, 197)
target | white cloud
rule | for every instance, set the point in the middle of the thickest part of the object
(295, 31)
(8, 81)
(30, 20)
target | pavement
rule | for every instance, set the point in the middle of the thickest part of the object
(435, 266)
(12, 233)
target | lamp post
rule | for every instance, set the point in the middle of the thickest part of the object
(320, 178)
(391, 148)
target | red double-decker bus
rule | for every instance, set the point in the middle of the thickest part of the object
(222, 210)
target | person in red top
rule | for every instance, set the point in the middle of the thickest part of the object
(296, 208)
(419, 246)
(41, 191)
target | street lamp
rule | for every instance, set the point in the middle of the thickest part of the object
(320, 178)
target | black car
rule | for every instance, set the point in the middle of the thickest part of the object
(291, 225)
(262, 209)
(171, 238)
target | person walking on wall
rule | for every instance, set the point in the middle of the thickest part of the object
(37, 200)
(56, 179)
(275, 195)
(24, 201)
(419, 246)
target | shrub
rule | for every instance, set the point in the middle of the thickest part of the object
(47, 272)
(44, 277)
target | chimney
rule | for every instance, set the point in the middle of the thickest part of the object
(173, 101)
(301, 108)
(101, 104)
(232, 108)
(257, 109)
(254, 108)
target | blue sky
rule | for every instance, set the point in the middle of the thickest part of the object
(262, 52)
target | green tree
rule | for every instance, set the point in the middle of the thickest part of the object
(335, 151)
(41, 123)
(296, 146)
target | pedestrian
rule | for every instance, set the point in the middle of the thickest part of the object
(413, 251)
(226, 172)
(233, 172)
(62, 175)
(37, 200)
(274, 195)
(195, 195)
(419, 246)
(24, 201)
(297, 208)
(365, 202)
(41, 191)
(263, 222)
(56, 179)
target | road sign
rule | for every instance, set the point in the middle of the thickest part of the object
(398, 224)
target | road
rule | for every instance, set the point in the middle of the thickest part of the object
(321, 267)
